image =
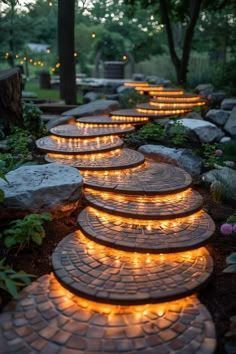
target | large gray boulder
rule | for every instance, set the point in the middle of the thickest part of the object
(124, 90)
(217, 116)
(50, 188)
(225, 177)
(183, 158)
(93, 108)
(230, 126)
(200, 130)
(228, 103)
(204, 89)
(91, 96)
(217, 97)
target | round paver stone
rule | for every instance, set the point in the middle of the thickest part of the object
(107, 121)
(167, 236)
(131, 113)
(149, 178)
(146, 207)
(105, 274)
(146, 108)
(50, 319)
(78, 146)
(112, 160)
(83, 131)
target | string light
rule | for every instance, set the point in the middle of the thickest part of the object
(93, 35)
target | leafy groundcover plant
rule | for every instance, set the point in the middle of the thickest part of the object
(10, 280)
(23, 231)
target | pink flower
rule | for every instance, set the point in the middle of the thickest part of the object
(218, 153)
(234, 228)
(226, 229)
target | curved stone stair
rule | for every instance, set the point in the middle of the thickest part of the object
(121, 283)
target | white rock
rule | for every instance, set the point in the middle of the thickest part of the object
(201, 130)
(50, 188)
(93, 108)
(217, 116)
(230, 126)
(183, 158)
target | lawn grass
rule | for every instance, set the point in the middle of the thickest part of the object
(51, 94)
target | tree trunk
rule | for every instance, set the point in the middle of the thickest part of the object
(181, 64)
(10, 98)
(66, 49)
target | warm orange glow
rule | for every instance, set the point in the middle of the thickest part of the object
(91, 157)
(124, 118)
(164, 112)
(174, 197)
(167, 93)
(143, 312)
(117, 173)
(168, 224)
(93, 248)
(180, 98)
(81, 142)
(175, 105)
(143, 89)
(96, 125)
(135, 84)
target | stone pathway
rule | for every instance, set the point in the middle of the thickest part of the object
(126, 281)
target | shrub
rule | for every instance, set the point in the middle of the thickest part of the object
(18, 142)
(131, 99)
(10, 280)
(150, 131)
(32, 120)
(178, 133)
(208, 153)
(23, 231)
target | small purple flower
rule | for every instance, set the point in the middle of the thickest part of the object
(226, 229)
(218, 153)
(234, 228)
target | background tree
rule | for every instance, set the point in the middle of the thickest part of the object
(66, 50)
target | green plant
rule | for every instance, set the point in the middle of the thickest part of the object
(178, 133)
(208, 153)
(150, 131)
(229, 150)
(32, 119)
(131, 99)
(10, 280)
(18, 142)
(23, 231)
(2, 176)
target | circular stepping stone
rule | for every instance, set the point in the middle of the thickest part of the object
(150, 178)
(107, 121)
(147, 108)
(180, 98)
(104, 274)
(146, 207)
(50, 319)
(156, 104)
(132, 113)
(171, 92)
(82, 131)
(146, 236)
(78, 146)
(112, 160)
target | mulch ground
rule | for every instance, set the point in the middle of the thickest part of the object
(219, 295)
